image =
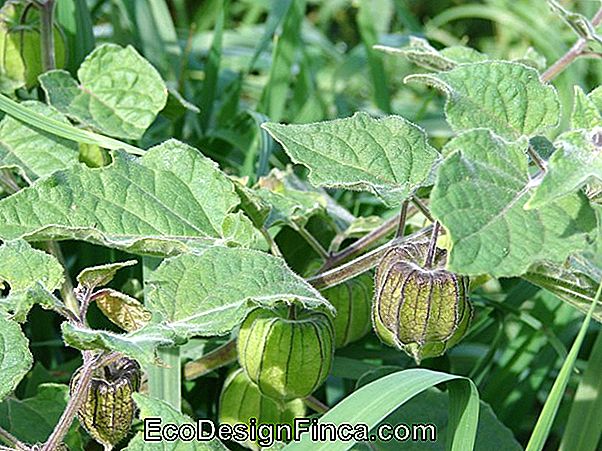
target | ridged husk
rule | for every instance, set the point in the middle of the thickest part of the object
(108, 410)
(421, 311)
(352, 300)
(286, 358)
(241, 400)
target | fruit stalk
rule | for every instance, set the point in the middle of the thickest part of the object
(47, 33)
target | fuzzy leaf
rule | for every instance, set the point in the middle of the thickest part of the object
(210, 293)
(33, 152)
(164, 203)
(481, 190)
(15, 358)
(155, 408)
(123, 310)
(421, 53)
(119, 92)
(140, 345)
(506, 97)
(389, 157)
(577, 161)
(31, 275)
(585, 113)
(99, 276)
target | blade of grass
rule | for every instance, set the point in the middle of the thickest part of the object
(207, 96)
(274, 95)
(550, 408)
(583, 428)
(164, 383)
(278, 12)
(73, 16)
(61, 129)
(375, 401)
(369, 36)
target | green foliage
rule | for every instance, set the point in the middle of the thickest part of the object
(260, 159)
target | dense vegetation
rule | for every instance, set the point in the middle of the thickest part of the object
(364, 212)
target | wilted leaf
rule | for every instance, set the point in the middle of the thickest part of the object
(389, 157)
(506, 97)
(481, 190)
(99, 276)
(34, 152)
(577, 161)
(119, 92)
(15, 358)
(171, 199)
(154, 408)
(123, 310)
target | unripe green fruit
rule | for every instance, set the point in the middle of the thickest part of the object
(286, 358)
(21, 48)
(241, 400)
(108, 409)
(422, 311)
(352, 300)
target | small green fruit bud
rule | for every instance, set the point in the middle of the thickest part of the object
(287, 358)
(352, 301)
(108, 409)
(241, 400)
(21, 48)
(422, 311)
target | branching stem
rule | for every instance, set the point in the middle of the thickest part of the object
(572, 54)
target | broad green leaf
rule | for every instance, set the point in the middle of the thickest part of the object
(35, 153)
(421, 53)
(202, 294)
(15, 358)
(479, 197)
(210, 293)
(431, 407)
(374, 402)
(506, 97)
(32, 275)
(154, 408)
(99, 276)
(389, 157)
(596, 97)
(33, 419)
(119, 92)
(140, 345)
(166, 202)
(585, 114)
(123, 310)
(577, 161)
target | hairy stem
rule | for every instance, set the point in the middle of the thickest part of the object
(423, 208)
(361, 264)
(67, 292)
(366, 241)
(401, 225)
(75, 402)
(47, 34)
(571, 55)
(213, 360)
(274, 249)
(539, 162)
(430, 256)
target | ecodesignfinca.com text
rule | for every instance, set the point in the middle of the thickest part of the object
(265, 435)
